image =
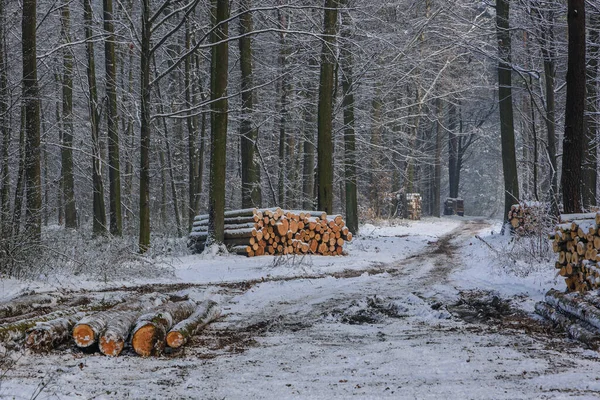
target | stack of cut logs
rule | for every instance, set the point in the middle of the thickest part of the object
(577, 242)
(526, 217)
(413, 206)
(151, 324)
(454, 206)
(578, 314)
(273, 231)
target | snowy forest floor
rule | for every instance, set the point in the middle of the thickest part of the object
(419, 310)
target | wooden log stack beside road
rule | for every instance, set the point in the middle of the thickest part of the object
(256, 232)
(413, 206)
(577, 243)
(528, 218)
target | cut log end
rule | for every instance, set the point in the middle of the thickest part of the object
(83, 335)
(39, 341)
(175, 340)
(111, 346)
(144, 340)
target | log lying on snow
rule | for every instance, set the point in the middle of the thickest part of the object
(572, 327)
(45, 336)
(16, 330)
(575, 305)
(205, 313)
(112, 341)
(26, 304)
(89, 329)
(149, 334)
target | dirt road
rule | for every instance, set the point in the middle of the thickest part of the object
(394, 331)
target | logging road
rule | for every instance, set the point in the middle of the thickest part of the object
(419, 326)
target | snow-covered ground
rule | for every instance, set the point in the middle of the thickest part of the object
(385, 321)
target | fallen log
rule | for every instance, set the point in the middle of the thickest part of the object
(205, 313)
(112, 340)
(150, 331)
(228, 227)
(45, 336)
(26, 304)
(574, 328)
(575, 306)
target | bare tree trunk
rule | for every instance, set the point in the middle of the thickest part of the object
(452, 152)
(375, 141)
(546, 38)
(99, 209)
(144, 237)
(59, 192)
(251, 190)
(192, 126)
(67, 120)
(5, 130)
(571, 179)
(437, 166)
(349, 135)
(325, 113)
(32, 120)
(112, 123)
(507, 129)
(20, 187)
(590, 170)
(219, 108)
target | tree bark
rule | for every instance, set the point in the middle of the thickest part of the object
(375, 141)
(325, 112)
(5, 131)
(571, 179)
(591, 121)
(453, 140)
(437, 167)
(192, 127)
(349, 134)
(149, 334)
(67, 120)
(112, 123)
(507, 129)
(546, 38)
(251, 190)
(99, 209)
(219, 108)
(144, 236)
(32, 120)
(205, 313)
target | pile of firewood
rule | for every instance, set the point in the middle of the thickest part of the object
(413, 206)
(454, 206)
(148, 325)
(577, 243)
(527, 218)
(256, 232)
(575, 313)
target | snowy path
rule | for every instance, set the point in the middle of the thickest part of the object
(394, 327)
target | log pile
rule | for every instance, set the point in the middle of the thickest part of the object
(413, 206)
(575, 313)
(149, 328)
(577, 244)
(454, 206)
(273, 231)
(528, 218)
